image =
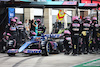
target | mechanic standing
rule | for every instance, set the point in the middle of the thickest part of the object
(97, 46)
(21, 32)
(85, 35)
(75, 30)
(32, 27)
(94, 29)
(56, 26)
(26, 25)
(27, 30)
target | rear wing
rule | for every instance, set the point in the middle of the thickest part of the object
(53, 35)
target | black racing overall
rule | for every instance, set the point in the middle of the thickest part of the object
(75, 30)
(67, 43)
(85, 36)
(41, 30)
(13, 31)
(96, 37)
(21, 33)
(94, 30)
(58, 26)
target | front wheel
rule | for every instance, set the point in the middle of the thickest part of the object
(11, 54)
(45, 52)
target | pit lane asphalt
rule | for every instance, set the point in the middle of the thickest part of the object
(54, 60)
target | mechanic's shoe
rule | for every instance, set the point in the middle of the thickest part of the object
(91, 52)
(79, 53)
(67, 53)
(85, 52)
(74, 54)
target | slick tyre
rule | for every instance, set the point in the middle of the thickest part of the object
(11, 54)
(45, 52)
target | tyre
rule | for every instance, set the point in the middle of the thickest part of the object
(11, 54)
(45, 52)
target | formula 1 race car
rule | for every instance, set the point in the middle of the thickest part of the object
(41, 45)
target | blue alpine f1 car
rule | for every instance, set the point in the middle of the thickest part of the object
(43, 45)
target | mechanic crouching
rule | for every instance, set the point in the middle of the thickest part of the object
(67, 42)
